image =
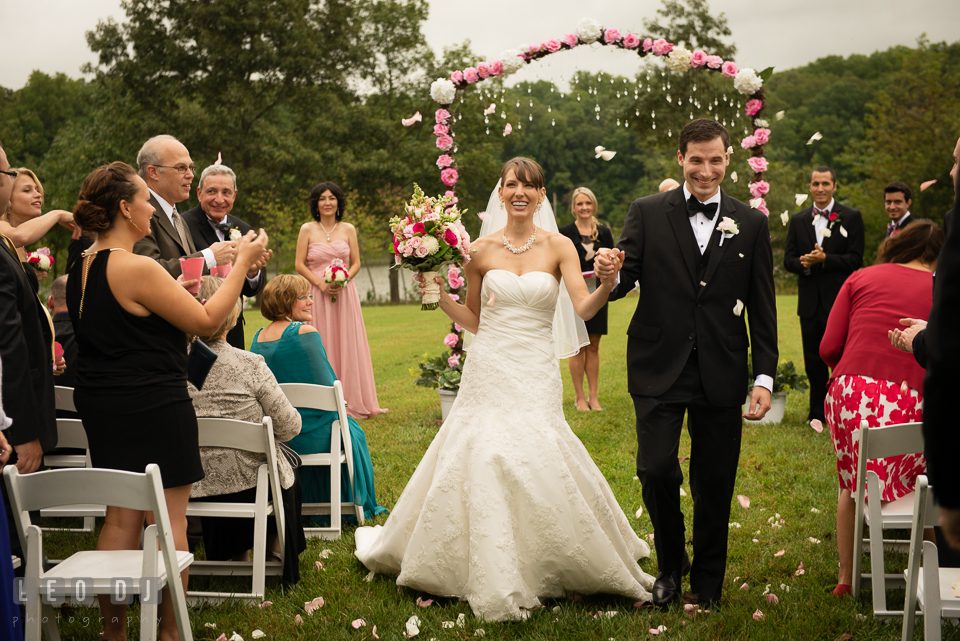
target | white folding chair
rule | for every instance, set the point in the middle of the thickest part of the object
(70, 433)
(322, 397)
(93, 572)
(64, 398)
(257, 438)
(929, 585)
(880, 442)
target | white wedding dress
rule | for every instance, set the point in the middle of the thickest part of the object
(506, 505)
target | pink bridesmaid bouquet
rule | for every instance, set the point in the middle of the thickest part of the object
(335, 273)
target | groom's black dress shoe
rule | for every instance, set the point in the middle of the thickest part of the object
(666, 589)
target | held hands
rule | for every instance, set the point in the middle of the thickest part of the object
(813, 258)
(607, 265)
(903, 339)
(759, 404)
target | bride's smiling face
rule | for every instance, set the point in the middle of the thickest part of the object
(520, 198)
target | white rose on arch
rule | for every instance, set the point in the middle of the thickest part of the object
(443, 91)
(511, 60)
(747, 82)
(588, 30)
(679, 60)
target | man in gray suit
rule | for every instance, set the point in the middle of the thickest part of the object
(165, 165)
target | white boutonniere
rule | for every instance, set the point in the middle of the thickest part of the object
(236, 234)
(728, 228)
(826, 232)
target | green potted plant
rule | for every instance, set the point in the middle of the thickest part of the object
(787, 379)
(442, 373)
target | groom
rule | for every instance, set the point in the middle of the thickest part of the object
(704, 264)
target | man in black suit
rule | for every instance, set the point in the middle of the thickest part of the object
(897, 199)
(210, 223)
(824, 246)
(701, 259)
(165, 165)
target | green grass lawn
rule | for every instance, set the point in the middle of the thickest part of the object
(787, 470)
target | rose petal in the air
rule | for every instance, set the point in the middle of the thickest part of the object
(780, 553)
(785, 218)
(744, 501)
(815, 137)
(800, 199)
(492, 301)
(780, 115)
(926, 184)
(406, 122)
(358, 623)
(508, 129)
(482, 215)
(904, 388)
(734, 177)
(738, 308)
(817, 425)
(730, 150)
(826, 232)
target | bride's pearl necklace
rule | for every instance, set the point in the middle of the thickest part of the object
(520, 250)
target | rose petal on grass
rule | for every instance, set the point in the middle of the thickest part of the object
(319, 565)
(235, 637)
(424, 603)
(639, 512)
(358, 623)
(374, 633)
(773, 599)
(298, 620)
(257, 634)
(815, 137)
(654, 631)
(479, 632)
(222, 637)
(650, 537)
(412, 626)
(813, 540)
(816, 425)
(926, 184)
(745, 586)
(461, 620)
(800, 199)
(325, 553)
(780, 553)
(265, 604)
(815, 510)
(406, 122)
(682, 493)
(310, 606)
(370, 576)
(758, 615)
(756, 540)
(738, 308)
(210, 625)
(800, 569)
(446, 625)
(744, 501)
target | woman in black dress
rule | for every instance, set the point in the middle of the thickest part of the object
(588, 236)
(130, 319)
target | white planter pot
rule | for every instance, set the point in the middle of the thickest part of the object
(447, 399)
(778, 404)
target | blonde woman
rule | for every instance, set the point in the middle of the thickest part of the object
(588, 236)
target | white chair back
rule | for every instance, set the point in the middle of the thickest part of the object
(64, 398)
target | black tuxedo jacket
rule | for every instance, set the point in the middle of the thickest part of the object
(679, 308)
(26, 351)
(203, 236)
(163, 242)
(844, 256)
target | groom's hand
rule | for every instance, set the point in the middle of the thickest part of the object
(607, 263)
(759, 404)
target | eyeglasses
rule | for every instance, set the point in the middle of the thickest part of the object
(307, 297)
(12, 174)
(181, 169)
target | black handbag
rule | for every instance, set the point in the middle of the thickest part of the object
(199, 362)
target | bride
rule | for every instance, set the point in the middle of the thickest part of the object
(506, 506)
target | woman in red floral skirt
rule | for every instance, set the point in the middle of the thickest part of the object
(871, 380)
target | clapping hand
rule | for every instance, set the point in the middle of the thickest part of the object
(903, 339)
(251, 248)
(261, 262)
(814, 257)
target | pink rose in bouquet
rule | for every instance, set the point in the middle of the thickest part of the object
(648, 44)
(749, 142)
(483, 70)
(422, 251)
(698, 58)
(456, 77)
(444, 142)
(570, 40)
(631, 41)
(714, 62)
(451, 339)
(496, 68)
(41, 259)
(612, 35)
(753, 107)
(552, 45)
(729, 69)
(440, 130)
(757, 164)
(762, 135)
(335, 273)
(444, 161)
(759, 188)
(442, 115)
(471, 75)
(449, 177)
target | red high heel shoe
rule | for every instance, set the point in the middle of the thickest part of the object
(842, 590)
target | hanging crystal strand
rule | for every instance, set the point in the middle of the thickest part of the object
(553, 122)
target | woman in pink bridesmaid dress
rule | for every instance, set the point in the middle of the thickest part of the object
(336, 308)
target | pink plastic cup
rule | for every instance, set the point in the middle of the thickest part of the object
(192, 269)
(224, 270)
(213, 271)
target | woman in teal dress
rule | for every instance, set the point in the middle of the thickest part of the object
(294, 352)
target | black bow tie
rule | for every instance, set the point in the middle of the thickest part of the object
(694, 206)
(222, 226)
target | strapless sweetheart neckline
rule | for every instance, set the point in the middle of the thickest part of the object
(535, 271)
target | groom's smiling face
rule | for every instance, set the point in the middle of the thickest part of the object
(704, 166)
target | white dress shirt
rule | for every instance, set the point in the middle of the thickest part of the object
(821, 223)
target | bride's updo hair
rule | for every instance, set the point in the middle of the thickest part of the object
(100, 195)
(526, 170)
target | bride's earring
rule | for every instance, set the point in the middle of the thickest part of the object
(502, 207)
(536, 212)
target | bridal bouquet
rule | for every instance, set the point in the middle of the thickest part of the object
(428, 236)
(41, 259)
(335, 273)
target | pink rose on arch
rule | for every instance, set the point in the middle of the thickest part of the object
(418, 228)
(448, 236)
(749, 142)
(451, 339)
(496, 68)
(763, 208)
(449, 194)
(454, 297)
(471, 75)
(456, 77)
(762, 135)
(453, 271)
(456, 283)
(698, 58)
(759, 188)
(449, 177)
(483, 70)
(570, 40)
(442, 115)
(729, 69)
(612, 35)
(754, 106)
(757, 164)
(440, 130)
(661, 47)
(648, 44)
(444, 142)
(444, 161)
(714, 62)
(453, 361)
(422, 251)
(553, 46)
(631, 41)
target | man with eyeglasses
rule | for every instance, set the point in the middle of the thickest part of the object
(165, 165)
(210, 222)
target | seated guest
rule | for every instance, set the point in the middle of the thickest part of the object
(872, 380)
(63, 330)
(294, 351)
(241, 386)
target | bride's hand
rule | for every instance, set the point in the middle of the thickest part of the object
(608, 265)
(422, 286)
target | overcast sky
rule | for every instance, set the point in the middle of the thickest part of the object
(49, 34)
